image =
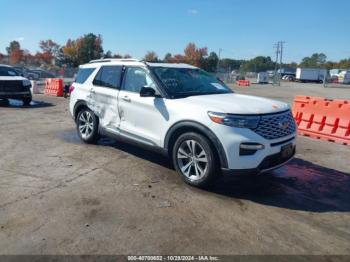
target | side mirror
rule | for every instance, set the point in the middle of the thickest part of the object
(147, 91)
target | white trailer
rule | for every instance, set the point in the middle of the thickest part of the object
(310, 74)
(263, 78)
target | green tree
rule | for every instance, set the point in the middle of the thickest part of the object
(344, 64)
(317, 60)
(90, 48)
(108, 54)
(151, 57)
(210, 63)
(167, 58)
(228, 64)
(83, 49)
(258, 64)
(118, 56)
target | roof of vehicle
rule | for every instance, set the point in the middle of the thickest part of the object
(133, 62)
(3, 65)
(113, 61)
(172, 65)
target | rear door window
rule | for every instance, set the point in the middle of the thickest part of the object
(108, 76)
(83, 74)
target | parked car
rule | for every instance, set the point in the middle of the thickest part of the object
(287, 72)
(27, 73)
(184, 112)
(14, 86)
(32, 75)
(42, 73)
(289, 78)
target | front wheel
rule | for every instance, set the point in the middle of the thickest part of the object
(195, 160)
(87, 126)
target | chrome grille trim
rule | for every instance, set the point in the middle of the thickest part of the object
(274, 126)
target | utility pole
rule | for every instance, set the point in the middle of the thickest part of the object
(277, 46)
(281, 54)
(217, 66)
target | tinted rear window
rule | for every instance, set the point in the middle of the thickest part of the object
(83, 74)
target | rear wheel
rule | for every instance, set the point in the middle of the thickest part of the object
(87, 126)
(195, 160)
(26, 101)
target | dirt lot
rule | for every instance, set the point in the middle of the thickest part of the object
(59, 196)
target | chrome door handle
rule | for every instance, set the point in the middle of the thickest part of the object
(126, 99)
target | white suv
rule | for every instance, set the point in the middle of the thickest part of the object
(183, 111)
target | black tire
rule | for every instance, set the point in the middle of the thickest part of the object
(211, 170)
(26, 101)
(91, 136)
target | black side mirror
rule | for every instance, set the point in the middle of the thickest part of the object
(147, 91)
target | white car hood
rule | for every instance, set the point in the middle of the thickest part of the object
(9, 78)
(238, 104)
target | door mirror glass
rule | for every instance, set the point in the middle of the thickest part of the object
(147, 91)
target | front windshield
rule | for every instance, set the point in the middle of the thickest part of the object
(7, 71)
(187, 81)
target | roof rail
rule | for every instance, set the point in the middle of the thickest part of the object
(113, 60)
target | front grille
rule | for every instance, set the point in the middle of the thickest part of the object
(11, 86)
(276, 125)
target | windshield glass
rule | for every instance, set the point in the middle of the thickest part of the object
(7, 71)
(187, 81)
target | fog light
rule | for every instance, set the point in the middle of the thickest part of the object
(246, 149)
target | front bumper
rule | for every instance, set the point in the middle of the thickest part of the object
(15, 95)
(269, 163)
(231, 138)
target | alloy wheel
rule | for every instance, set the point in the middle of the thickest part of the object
(86, 124)
(192, 159)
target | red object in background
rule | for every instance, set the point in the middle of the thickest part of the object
(322, 118)
(53, 87)
(243, 83)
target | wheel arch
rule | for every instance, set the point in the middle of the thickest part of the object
(78, 106)
(185, 126)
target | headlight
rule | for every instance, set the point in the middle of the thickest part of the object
(26, 83)
(240, 121)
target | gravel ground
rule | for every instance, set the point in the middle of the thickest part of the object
(59, 196)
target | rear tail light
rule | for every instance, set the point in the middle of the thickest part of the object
(71, 89)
